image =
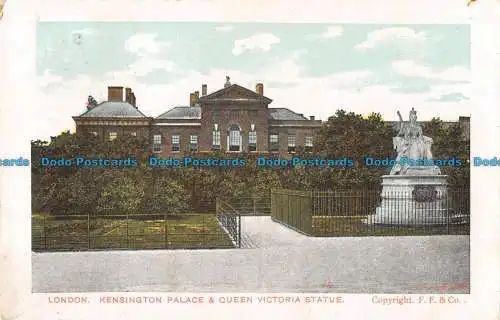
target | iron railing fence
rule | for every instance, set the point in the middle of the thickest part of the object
(125, 232)
(368, 212)
(248, 206)
(293, 209)
(230, 220)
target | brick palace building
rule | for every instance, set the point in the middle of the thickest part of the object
(232, 119)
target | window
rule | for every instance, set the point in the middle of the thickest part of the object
(112, 136)
(291, 144)
(308, 144)
(274, 143)
(176, 143)
(193, 143)
(215, 115)
(234, 114)
(234, 139)
(252, 114)
(252, 141)
(216, 140)
(133, 134)
(157, 147)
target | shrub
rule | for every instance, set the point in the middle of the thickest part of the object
(165, 197)
(121, 196)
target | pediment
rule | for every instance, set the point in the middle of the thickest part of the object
(235, 92)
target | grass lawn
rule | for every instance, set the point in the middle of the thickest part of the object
(186, 231)
(354, 226)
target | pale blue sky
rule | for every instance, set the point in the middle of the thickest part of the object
(326, 66)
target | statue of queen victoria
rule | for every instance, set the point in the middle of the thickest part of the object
(413, 148)
(414, 182)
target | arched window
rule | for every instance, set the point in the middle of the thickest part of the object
(234, 138)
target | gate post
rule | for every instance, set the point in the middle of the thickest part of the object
(128, 241)
(88, 231)
(239, 230)
(273, 203)
(307, 213)
(165, 230)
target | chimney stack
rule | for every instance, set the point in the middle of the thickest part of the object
(191, 99)
(115, 93)
(311, 118)
(196, 96)
(132, 99)
(203, 90)
(128, 95)
(259, 88)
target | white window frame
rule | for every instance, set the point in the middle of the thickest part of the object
(216, 140)
(157, 145)
(274, 140)
(112, 135)
(176, 141)
(308, 143)
(234, 138)
(252, 140)
(292, 143)
(193, 143)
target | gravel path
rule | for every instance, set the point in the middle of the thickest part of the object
(277, 260)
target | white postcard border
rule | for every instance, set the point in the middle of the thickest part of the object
(18, 109)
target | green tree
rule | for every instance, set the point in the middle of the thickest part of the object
(264, 181)
(457, 148)
(344, 135)
(352, 136)
(449, 143)
(121, 196)
(436, 130)
(164, 196)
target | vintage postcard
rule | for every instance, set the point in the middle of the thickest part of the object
(189, 166)
(267, 142)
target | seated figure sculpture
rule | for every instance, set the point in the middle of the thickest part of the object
(413, 149)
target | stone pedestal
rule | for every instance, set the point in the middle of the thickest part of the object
(412, 200)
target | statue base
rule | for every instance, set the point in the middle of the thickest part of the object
(416, 199)
(419, 170)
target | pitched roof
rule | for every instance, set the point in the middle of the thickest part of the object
(116, 109)
(182, 112)
(186, 112)
(285, 114)
(235, 92)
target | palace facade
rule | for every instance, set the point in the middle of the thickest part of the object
(233, 119)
